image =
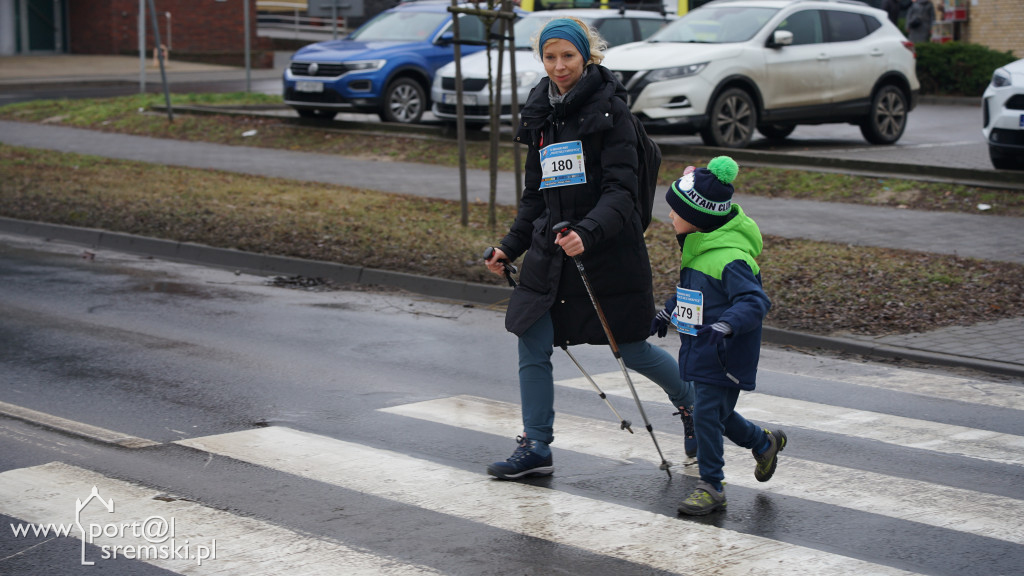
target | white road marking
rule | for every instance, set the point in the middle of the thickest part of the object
(788, 412)
(913, 500)
(47, 494)
(930, 384)
(603, 528)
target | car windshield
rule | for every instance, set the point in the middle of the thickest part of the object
(716, 25)
(531, 26)
(404, 26)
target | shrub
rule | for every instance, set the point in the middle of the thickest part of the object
(956, 68)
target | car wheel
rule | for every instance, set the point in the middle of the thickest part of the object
(317, 114)
(732, 119)
(404, 101)
(1005, 161)
(888, 117)
(776, 131)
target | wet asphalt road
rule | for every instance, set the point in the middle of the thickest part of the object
(170, 352)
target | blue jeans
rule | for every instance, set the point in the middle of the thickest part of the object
(714, 417)
(537, 384)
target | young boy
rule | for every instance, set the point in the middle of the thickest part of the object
(717, 310)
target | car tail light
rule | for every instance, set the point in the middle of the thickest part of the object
(910, 46)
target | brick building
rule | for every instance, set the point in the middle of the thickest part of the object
(998, 24)
(211, 31)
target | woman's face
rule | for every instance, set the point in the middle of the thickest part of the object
(563, 64)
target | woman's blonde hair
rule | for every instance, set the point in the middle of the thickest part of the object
(597, 44)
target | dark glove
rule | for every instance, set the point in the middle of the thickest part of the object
(660, 324)
(715, 332)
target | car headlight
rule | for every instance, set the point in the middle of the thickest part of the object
(1000, 78)
(661, 74)
(527, 78)
(365, 65)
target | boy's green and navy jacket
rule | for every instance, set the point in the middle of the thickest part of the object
(720, 264)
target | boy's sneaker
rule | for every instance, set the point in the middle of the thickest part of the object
(703, 500)
(523, 462)
(769, 458)
(690, 438)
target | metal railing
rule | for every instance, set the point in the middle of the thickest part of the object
(285, 19)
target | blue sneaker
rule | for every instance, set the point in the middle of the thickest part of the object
(523, 462)
(690, 436)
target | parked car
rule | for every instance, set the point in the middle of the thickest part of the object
(615, 26)
(732, 67)
(385, 67)
(1003, 111)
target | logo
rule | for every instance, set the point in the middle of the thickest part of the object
(313, 69)
(152, 538)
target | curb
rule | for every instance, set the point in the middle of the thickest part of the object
(262, 264)
(258, 264)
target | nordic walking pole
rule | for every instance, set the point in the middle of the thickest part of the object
(623, 423)
(563, 227)
(509, 270)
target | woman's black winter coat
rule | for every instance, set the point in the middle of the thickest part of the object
(601, 211)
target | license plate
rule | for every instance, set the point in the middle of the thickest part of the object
(304, 86)
(452, 98)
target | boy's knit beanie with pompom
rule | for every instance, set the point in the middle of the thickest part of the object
(704, 197)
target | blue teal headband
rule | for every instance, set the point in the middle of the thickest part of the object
(566, 29)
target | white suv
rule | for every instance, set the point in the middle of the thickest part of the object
(732, 67)
(615, 26)
(1003, 111)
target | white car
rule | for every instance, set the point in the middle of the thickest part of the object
(1003, 110)
(615, 26)
(732, 67)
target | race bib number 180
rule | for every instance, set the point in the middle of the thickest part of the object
(562, 164)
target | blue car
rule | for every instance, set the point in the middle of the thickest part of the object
(384, 67)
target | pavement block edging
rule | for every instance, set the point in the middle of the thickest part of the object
(484, 294)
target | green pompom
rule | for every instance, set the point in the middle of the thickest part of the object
(724, 168)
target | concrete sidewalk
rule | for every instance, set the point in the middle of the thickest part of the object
(79, 68)
(996, 347)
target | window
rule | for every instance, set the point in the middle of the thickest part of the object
(616, 31)
(649, 26)
(471, 28)
(845, 26)
(805, 26)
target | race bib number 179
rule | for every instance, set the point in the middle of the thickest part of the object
(689, 312)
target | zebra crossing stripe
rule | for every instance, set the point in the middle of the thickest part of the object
(905, 499)
(48, 494)
(783, 365)
(603, 528)
(896, 430)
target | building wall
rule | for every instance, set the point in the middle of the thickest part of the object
(212, 31)
(998, 24)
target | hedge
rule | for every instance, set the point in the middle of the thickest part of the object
(956, 68)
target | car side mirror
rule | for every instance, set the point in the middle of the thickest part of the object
(446, 38)
(780, 38)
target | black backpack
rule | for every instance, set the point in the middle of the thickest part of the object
(648, 164)
(648, 156)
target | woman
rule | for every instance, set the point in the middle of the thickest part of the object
(581, 167)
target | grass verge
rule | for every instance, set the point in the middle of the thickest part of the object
(816, 287)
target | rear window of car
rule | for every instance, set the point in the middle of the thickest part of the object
(400, 26)
(847, 26)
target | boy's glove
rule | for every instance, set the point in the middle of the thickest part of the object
(715, 332)
(660, 323)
